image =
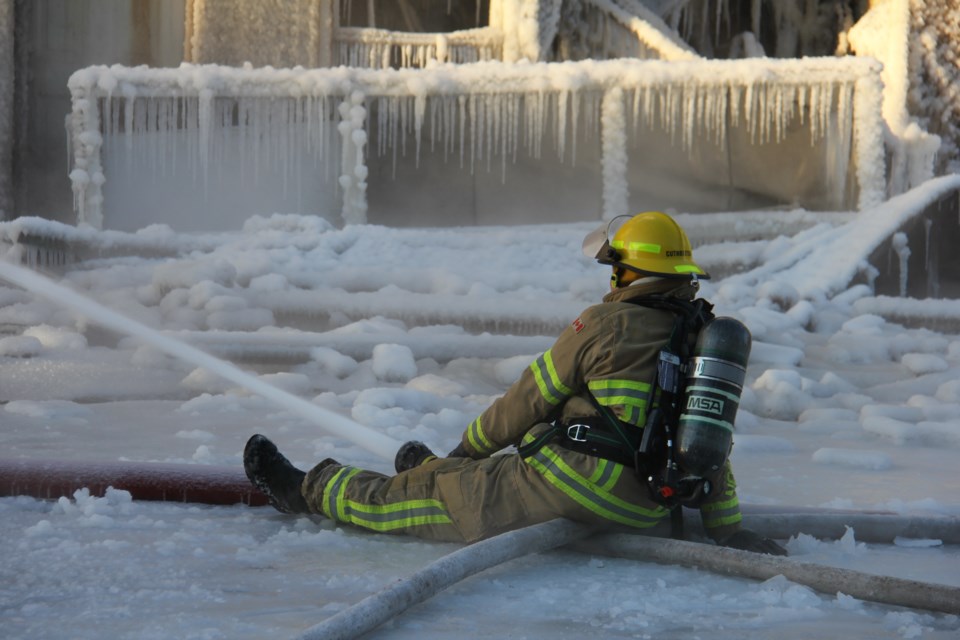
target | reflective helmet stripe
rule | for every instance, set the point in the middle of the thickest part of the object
(646, 247)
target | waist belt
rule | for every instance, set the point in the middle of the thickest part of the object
(594, 436)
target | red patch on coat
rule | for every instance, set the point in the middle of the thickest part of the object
(578, 325)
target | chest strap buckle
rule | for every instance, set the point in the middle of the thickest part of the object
(578, 432)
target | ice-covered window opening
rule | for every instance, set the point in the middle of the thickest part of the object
(607, 29)
(477, 112)
(613, 32)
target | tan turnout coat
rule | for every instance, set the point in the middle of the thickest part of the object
(610, 351)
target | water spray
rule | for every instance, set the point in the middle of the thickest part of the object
(335, 424)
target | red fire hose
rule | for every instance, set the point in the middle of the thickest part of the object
(49, 479)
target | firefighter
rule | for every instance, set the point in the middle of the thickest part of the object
(577, 416)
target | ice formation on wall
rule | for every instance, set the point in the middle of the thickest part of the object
(934, 63)
(280, 33)
(885, 33)
(476, 112)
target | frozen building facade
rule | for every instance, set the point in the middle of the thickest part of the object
(496, 111)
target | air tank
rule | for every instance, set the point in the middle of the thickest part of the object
(715, 376)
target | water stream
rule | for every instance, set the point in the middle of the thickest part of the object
(331, 422)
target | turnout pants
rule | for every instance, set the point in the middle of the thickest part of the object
(465, 500)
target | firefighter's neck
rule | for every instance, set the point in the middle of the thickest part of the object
(623, 278)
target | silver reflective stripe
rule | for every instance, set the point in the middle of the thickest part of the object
(716, 369)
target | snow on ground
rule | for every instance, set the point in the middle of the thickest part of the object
(411, 333)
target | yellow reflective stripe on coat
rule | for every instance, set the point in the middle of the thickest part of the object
(632, 395)
(588, 494)
(548, 380)
(478, 439)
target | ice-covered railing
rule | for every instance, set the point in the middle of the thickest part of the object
(382, 49)
(476, 112)
(613, 32)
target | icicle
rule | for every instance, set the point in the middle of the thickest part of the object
(749, 110)
(353, 169)
(688, 108)
(462, 109)
(719, 97)
(844, 108)
(434, 118)
(393, 123)
(163, 125)
(574, 123)
(763, 107)
(563, 100)
(474, 117)
(447, 119)
(482, 129)
(490, 108)
(419, 108)
(931, 261)
(515, 124)
(900, 245)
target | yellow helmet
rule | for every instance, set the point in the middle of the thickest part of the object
(649, 243)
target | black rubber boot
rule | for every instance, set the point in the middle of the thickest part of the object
(412, 454)
(272, 473)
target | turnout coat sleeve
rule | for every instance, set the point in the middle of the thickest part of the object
(543, 388)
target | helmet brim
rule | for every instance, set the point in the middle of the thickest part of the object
(696, 272)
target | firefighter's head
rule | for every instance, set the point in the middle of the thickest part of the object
(644, 245)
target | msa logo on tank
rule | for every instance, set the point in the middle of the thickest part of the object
(707, 405)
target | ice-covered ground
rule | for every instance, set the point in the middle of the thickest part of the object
(412, 332)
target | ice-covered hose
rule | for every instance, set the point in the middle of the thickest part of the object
(829, 580)
(829, 524)
(374, 610)
(377, 609)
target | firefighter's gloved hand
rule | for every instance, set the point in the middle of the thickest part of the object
(748, 540)
(459, 452)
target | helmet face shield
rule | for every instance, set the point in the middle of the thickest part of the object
(596, 244)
